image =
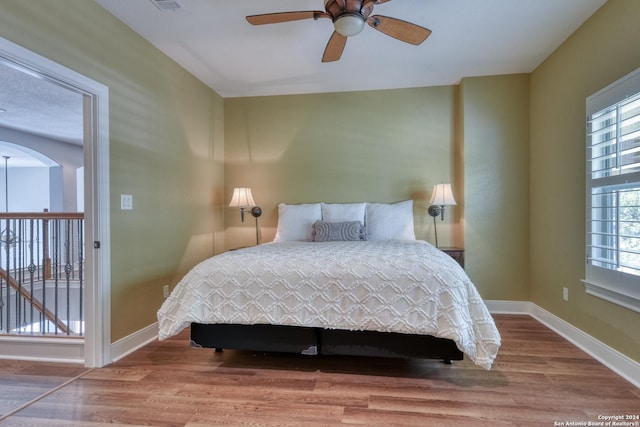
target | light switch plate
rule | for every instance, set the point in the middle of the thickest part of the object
(126, 202)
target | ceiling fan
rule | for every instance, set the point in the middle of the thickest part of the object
(349, 17)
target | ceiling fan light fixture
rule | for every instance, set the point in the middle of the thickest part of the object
(349, 24)
(349, 18)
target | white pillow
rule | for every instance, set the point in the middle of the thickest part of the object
(343, 212)
(295, 222)
(390, 221)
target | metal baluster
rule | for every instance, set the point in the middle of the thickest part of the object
(1, 305)
(8, 270)
(56, 263)
(81, 274)
(33, 251)
(16, 271)
(32, 270)
(45, 271)
(68, 269)
(18, 266)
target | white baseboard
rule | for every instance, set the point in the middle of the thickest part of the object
(622, 365)
(56, 349)
(509, 307)
(133, 342)
(69, 350)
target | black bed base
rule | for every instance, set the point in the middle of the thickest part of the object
(314, 341)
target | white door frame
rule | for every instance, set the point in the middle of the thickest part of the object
(97, 296)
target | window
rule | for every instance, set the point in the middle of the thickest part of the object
(613, 193)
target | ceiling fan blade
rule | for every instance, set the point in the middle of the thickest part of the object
(399, 29)
(334, 48)
(276, 18)
(367, 6)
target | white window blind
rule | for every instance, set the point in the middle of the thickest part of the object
(613, 193)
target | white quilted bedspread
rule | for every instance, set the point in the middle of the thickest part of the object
(392, 286)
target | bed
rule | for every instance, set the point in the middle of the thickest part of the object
(323, 287)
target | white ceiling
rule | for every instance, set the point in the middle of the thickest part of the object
(212, 39)
(34, 105)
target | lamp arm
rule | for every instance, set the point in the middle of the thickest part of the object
(434, 211)
(435, 230)
(256, 212)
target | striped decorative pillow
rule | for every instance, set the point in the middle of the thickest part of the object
(338, 231)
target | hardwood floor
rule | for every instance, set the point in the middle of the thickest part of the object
(538, 379)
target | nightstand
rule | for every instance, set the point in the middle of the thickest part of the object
(455, 253)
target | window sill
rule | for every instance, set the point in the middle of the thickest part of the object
(609, 293)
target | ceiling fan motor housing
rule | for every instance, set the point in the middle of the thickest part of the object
(348, 17)
(339, 7)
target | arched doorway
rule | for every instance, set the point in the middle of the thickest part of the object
(34, 182)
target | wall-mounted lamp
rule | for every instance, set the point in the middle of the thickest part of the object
(442, 196)
(243, 199)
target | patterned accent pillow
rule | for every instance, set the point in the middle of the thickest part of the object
(338, 231)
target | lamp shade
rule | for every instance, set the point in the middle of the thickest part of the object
(242, 198)
(442, 195)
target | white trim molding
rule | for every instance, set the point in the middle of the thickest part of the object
(97, 211)
(628, 298)
(70, 350)
(509, 307)
(42, 349)
(622, 365)
(133, 342)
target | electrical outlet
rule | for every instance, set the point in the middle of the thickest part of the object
(165, 291)
(565, 294)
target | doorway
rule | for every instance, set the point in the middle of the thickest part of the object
(95, 348)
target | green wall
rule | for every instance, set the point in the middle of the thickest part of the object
(495, 167)
(166, 148)
(385, 146)
(376, 146)
(604, 49)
